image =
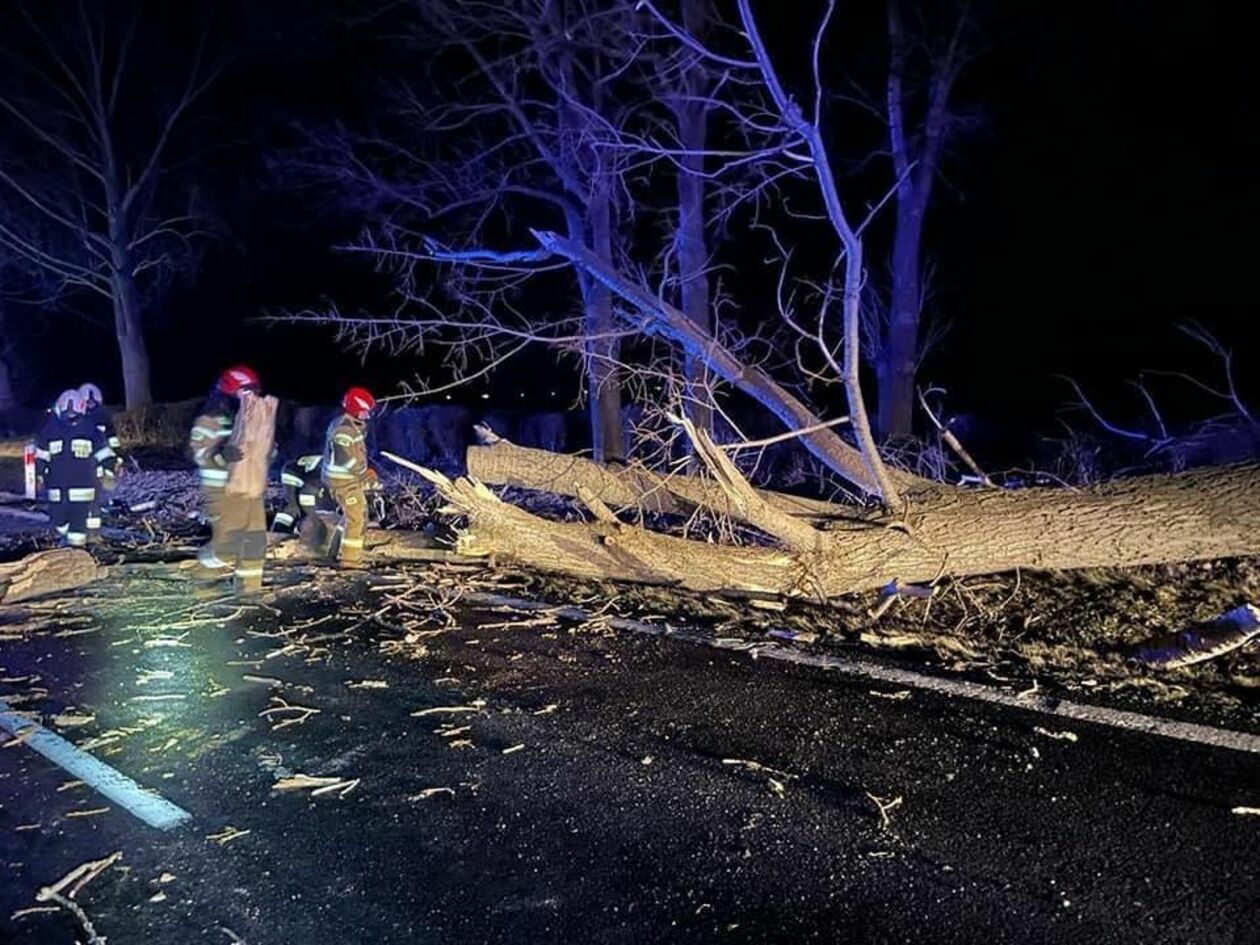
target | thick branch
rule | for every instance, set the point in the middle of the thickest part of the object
(663, 319)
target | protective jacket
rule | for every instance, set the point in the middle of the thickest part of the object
(69, 456)
(210, 434)
(99, 417)
(345, 452)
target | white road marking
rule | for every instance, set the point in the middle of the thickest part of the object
(153, 809)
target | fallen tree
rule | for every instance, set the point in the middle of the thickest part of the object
(909, 530)
(503, 463)
(1198, 515)
(46, 572)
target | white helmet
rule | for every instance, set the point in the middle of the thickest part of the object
(91, 394)
(69, 402)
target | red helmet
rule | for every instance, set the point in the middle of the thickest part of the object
(236, 379)
(358, 403)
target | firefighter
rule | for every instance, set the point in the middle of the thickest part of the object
(208, 444)
(69, 452)
(306, 496)
(111, 469)
(347, 475)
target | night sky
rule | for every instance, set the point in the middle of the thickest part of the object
(1108, 194)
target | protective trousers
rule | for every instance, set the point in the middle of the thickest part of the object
(211, 565)
(348, 494)
(240, 539)
(70, 514)
(92, 520)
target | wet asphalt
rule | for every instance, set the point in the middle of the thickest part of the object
(608, 788)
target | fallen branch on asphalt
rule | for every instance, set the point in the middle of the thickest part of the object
(74, 881)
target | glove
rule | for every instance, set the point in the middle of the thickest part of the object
(371, 481)
(232, 453)
(109, 482)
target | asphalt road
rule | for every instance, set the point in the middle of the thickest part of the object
(662, 792)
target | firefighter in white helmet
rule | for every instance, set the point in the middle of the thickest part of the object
(70, 453)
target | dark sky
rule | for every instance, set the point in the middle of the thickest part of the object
(1109, 195)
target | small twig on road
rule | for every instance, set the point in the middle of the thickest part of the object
(227, 835)
(301, 713)
(476, 706)
(302, 782)
(431, 792)
(1246, 811)
(1064, 736)
(884, 805)
(235, 939)
(75, 880)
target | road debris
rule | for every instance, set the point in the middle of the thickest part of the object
(475, 706)
(512, 750)
(293, 714)
(227, 835)
(431, 792)
(316, 785)
(1246, 811)
(1063, 736)
(884, 805)
(65, 889)
(776, 780)
(1202, 641)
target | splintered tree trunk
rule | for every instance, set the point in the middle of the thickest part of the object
(46, 572)
(603, 377)
(631, 487)
(691, 115)
(1149, 520)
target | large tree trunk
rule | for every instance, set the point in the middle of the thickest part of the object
(7, 398)
(132, 350)
(630, 487)
(602, 377)
(1199, 515)
(899, 351)
(691, 115)
(46, 572)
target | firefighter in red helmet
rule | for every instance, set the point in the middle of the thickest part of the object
(210, 447)
(347, 473)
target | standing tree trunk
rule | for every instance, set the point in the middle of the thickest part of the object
(132, 350)
(602, 376)
(915, 159)
(691, 114)
(899, 351)
(7, 399)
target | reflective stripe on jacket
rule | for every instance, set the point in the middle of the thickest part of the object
(209, 435)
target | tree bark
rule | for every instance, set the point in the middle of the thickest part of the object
(899, 352)
(7, 398)
(691, 115)
(132, 350)
(1200, 515)
(46, 572)
(602, 376)
(505, 464)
